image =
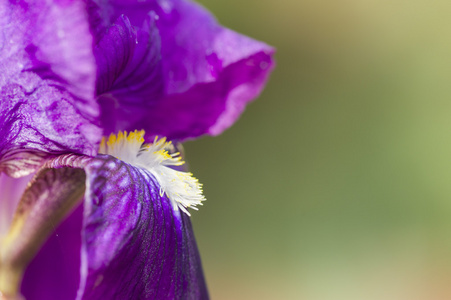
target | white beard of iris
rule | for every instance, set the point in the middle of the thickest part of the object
(182, 188)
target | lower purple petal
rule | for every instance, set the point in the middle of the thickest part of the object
(135, 246)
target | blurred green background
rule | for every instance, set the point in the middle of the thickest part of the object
(335, 183)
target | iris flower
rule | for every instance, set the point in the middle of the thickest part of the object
(94, 198)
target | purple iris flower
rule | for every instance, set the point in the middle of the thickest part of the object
(72, 71)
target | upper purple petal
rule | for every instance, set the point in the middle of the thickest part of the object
(47, 82)
(129, 76)
(209, 73)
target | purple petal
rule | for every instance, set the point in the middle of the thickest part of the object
(129, 70)
(135, 246)
(55, 271)
(209, 72)
(209, 107)
(47, 83)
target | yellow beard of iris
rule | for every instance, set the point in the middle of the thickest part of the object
(182, 189)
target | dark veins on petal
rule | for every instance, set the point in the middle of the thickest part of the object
(129, 74)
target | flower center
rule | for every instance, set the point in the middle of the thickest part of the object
(182, 188)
